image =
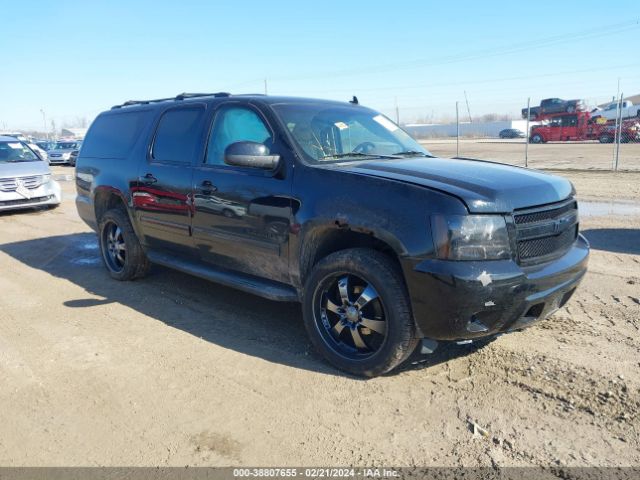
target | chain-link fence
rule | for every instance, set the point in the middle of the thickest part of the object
(556, 134)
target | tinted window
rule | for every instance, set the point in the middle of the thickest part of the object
(67, 145)
(235, 125)
(178, 134)
(113, 135)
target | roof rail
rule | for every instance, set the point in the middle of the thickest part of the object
(181, 96)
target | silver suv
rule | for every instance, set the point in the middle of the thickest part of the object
(63, 152)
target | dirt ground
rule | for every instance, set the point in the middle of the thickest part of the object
(172, 370)
(561, 155)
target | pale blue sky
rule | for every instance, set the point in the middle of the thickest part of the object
(77, 58)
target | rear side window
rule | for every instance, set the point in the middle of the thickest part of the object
(113, 135)
(178, 134)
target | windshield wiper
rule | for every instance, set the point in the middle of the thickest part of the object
(356, 154)
(414, 153)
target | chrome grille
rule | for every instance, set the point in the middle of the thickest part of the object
(10, 184)
(543, 233)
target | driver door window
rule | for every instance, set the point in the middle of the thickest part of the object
(235, 124)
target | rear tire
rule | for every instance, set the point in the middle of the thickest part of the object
(357, 312)
(537, 138)
(605, 139)
(122, 253)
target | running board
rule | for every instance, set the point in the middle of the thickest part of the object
(241, 281)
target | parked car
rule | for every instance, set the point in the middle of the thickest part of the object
(534, 112)
(557, 105)
(25, 179)
(62, 152)
(388, 248)
(45, 145)
(41, 153)
(73, 157)
(610, 111)
(511, 133)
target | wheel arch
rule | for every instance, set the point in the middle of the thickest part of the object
(107, 198)
(322, 241)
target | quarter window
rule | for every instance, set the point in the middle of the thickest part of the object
(112, 135)
(178, 134)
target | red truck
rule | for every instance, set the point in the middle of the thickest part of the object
(565, 127)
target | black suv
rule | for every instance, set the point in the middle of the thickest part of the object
(558, 105)
(333, 205)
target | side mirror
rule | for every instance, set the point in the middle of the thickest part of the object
(250, 154)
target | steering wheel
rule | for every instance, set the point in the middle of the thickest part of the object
(364, 147)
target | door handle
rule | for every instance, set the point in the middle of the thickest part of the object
(148, 179)
(207, 186)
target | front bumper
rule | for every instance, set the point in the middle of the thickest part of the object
(48, 194)
(466, 300)
(59, 160)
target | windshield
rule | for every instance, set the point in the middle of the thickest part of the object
(67, 146)
(328, 133)
(12, 152)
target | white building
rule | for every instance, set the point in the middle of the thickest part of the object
(77, 133)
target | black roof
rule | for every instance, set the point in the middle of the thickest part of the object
(185, 97)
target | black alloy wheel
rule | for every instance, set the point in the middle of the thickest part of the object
(351, 316)
(115, 253)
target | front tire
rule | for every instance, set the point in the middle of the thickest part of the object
(537, 138)
(122, 253)
(357, 312)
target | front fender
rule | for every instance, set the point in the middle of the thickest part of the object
(369, 208)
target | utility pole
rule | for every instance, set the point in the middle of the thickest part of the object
(44, 123)
(615, 131)
(467, 100)
(618, 133)
(397, 112)
(457, 131)
(526, 138)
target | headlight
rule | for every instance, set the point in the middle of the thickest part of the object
(46, 179)
(470, 237)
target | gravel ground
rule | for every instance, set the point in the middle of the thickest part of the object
(571, 155)
(172, 370)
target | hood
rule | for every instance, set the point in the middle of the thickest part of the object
(485, 187)
(23, 169)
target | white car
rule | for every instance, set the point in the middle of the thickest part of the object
(25, 179)
(36, 149)
(610, 111)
